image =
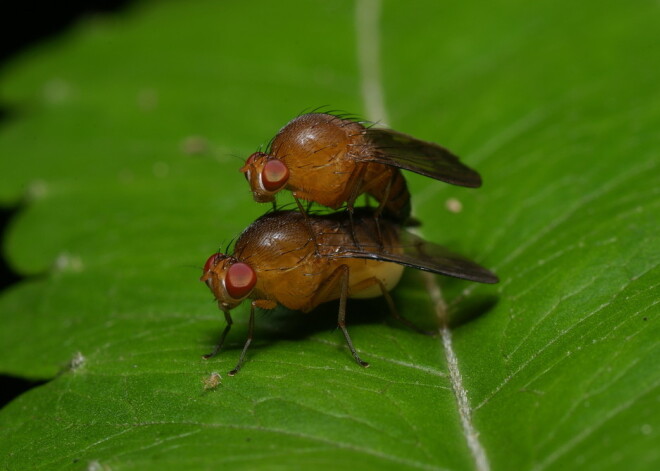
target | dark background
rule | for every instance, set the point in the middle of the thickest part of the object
(31, 22)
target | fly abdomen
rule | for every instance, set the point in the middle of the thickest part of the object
(398, 206)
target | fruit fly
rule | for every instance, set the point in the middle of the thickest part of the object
(277, 261)
(332, 160)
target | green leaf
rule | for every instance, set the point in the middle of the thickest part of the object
(121, 150)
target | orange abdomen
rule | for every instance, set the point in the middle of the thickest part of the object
(376, 180)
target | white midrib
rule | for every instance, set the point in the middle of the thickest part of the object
(367, 18)
(464, 409)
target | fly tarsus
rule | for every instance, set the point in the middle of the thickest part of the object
(221, 342)
(341, 318)
(247, 342)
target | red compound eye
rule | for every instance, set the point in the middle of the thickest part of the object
(212, 261)
(240, 280)
(274, 175)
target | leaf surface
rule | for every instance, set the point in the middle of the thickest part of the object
(122, 149)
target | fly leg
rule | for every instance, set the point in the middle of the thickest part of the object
(308, 221)
(355, 185)
(247, 342)
(385, 180)
(341, 319)
(264, 304)
(326, 292)
(222, 337)
(379, 210)
(395, 312)
(369, 282)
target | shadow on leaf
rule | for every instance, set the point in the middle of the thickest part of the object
(471, 309)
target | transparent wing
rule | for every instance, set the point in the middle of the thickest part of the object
(426, 158)
(398, 246)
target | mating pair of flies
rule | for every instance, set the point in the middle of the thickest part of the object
(301, 259)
